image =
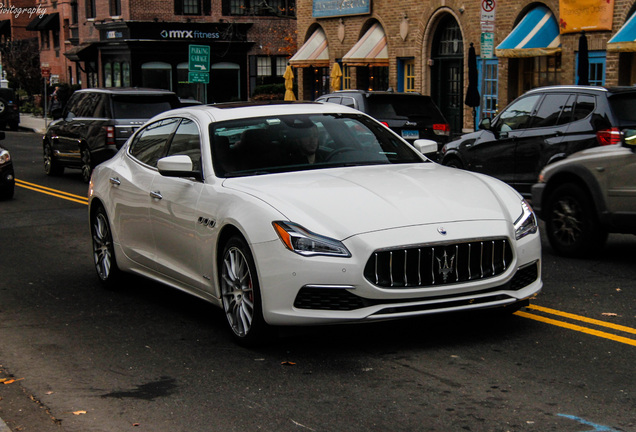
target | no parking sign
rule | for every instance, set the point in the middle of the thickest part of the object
(488, 15)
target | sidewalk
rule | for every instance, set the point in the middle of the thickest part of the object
(36, 124)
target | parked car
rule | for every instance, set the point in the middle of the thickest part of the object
(9, 109)
(543, 126)
(7, 175)
(96, 122)
(588, 195)
(410, 115)
(307, 213)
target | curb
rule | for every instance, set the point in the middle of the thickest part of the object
(4, 427)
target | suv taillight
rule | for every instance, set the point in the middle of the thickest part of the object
(110, 135)
(441, 129)
(609, 136)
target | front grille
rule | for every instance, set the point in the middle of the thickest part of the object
(439, 264)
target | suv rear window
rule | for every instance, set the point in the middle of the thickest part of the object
(140, 106)
(624, 107)
(403, 106)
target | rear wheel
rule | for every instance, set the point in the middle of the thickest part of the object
(103, 249)
(241, 295)
(572, 225)
(454, 163)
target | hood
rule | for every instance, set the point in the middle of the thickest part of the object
(342, 202)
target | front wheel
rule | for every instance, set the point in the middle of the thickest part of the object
(103, 249)
(453, 163)
(572, 225)
(241, 295)
(87, 165)
(51, 166)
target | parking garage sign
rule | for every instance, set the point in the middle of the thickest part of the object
(199, 59)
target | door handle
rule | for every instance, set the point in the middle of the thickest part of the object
(114, 181)
(156, 195)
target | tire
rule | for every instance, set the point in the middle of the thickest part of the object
(51, 166)
(572, 225)
(240, 292)
(103, 249)
(3, 106)
(87, 164)
(453, 163)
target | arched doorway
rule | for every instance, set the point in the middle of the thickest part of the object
(447, 72)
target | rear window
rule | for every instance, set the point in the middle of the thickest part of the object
(624, 107)
(403, 106)
(125, 106)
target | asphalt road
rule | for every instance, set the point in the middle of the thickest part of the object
(76, 357)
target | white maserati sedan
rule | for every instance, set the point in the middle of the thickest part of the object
(304, 214)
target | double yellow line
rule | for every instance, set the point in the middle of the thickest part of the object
(53, 192)
(543, 311)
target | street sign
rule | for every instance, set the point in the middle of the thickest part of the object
(488, 10)
(46, 71)
(199, 77)
(199, 58)
(487, 45)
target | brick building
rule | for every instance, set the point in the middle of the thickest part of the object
(146, 43)
(423, 46)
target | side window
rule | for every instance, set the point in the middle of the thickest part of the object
(102, 109)
(73, 105)
(518, 114)
(335, 100)
(550, 110)
(87, 104)
(150, 143)
(584, 106)
(348, 101)
(186, 141)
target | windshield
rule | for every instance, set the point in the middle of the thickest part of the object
(395, 106)
(623, 106)
(297, 142)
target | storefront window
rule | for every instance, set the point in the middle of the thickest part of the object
(156, 75)
(108, 75)
(125, 74)
(540, 71)
(489, 86)
(117, 74)
(409, 75)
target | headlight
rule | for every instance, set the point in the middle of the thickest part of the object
(526, 223)
(303, 242)
(4, 157)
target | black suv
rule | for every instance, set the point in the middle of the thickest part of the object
(9, 109)
(541, 127)
(95, 124)
(410, 115)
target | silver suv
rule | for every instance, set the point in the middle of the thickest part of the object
(588, 195)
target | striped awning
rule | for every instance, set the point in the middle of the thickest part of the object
(371, 49)
(536, 35)
(625, 38)
(314, 52)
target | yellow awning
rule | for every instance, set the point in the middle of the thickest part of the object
(371, 49)
(314, 52)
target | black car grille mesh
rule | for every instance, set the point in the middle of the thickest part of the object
(438, 265)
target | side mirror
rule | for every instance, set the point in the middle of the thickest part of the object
(426, 147)
(485, 124)
(178, 166)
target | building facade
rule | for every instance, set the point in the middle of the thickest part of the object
(423, 46)
(210, 51)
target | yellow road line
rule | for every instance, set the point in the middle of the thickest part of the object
(583, 319)
(578, 328)
(53, 192)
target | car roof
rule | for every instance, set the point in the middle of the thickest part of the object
(238, 110)
(583, 88)
(373, 92)
(126, 90)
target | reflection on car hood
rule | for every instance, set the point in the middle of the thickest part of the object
(346, 201)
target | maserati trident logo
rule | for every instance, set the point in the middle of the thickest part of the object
(441, 230)
(446, 265)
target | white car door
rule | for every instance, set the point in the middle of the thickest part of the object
(173, 214)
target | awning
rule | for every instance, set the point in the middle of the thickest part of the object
(314, 52)
(47, 22)
(371, 49)
(536, 35)
(83, 52)
(625, 38)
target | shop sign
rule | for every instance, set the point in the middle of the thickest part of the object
(487, 45)
(487, 20)
(588, 15)
(331, 8)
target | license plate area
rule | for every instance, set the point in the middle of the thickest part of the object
(410, 134)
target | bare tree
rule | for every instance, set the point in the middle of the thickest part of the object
(21, 61)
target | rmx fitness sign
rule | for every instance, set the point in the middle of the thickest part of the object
(199, 64)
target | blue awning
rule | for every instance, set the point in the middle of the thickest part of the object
(536, 35)
(625, 38)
